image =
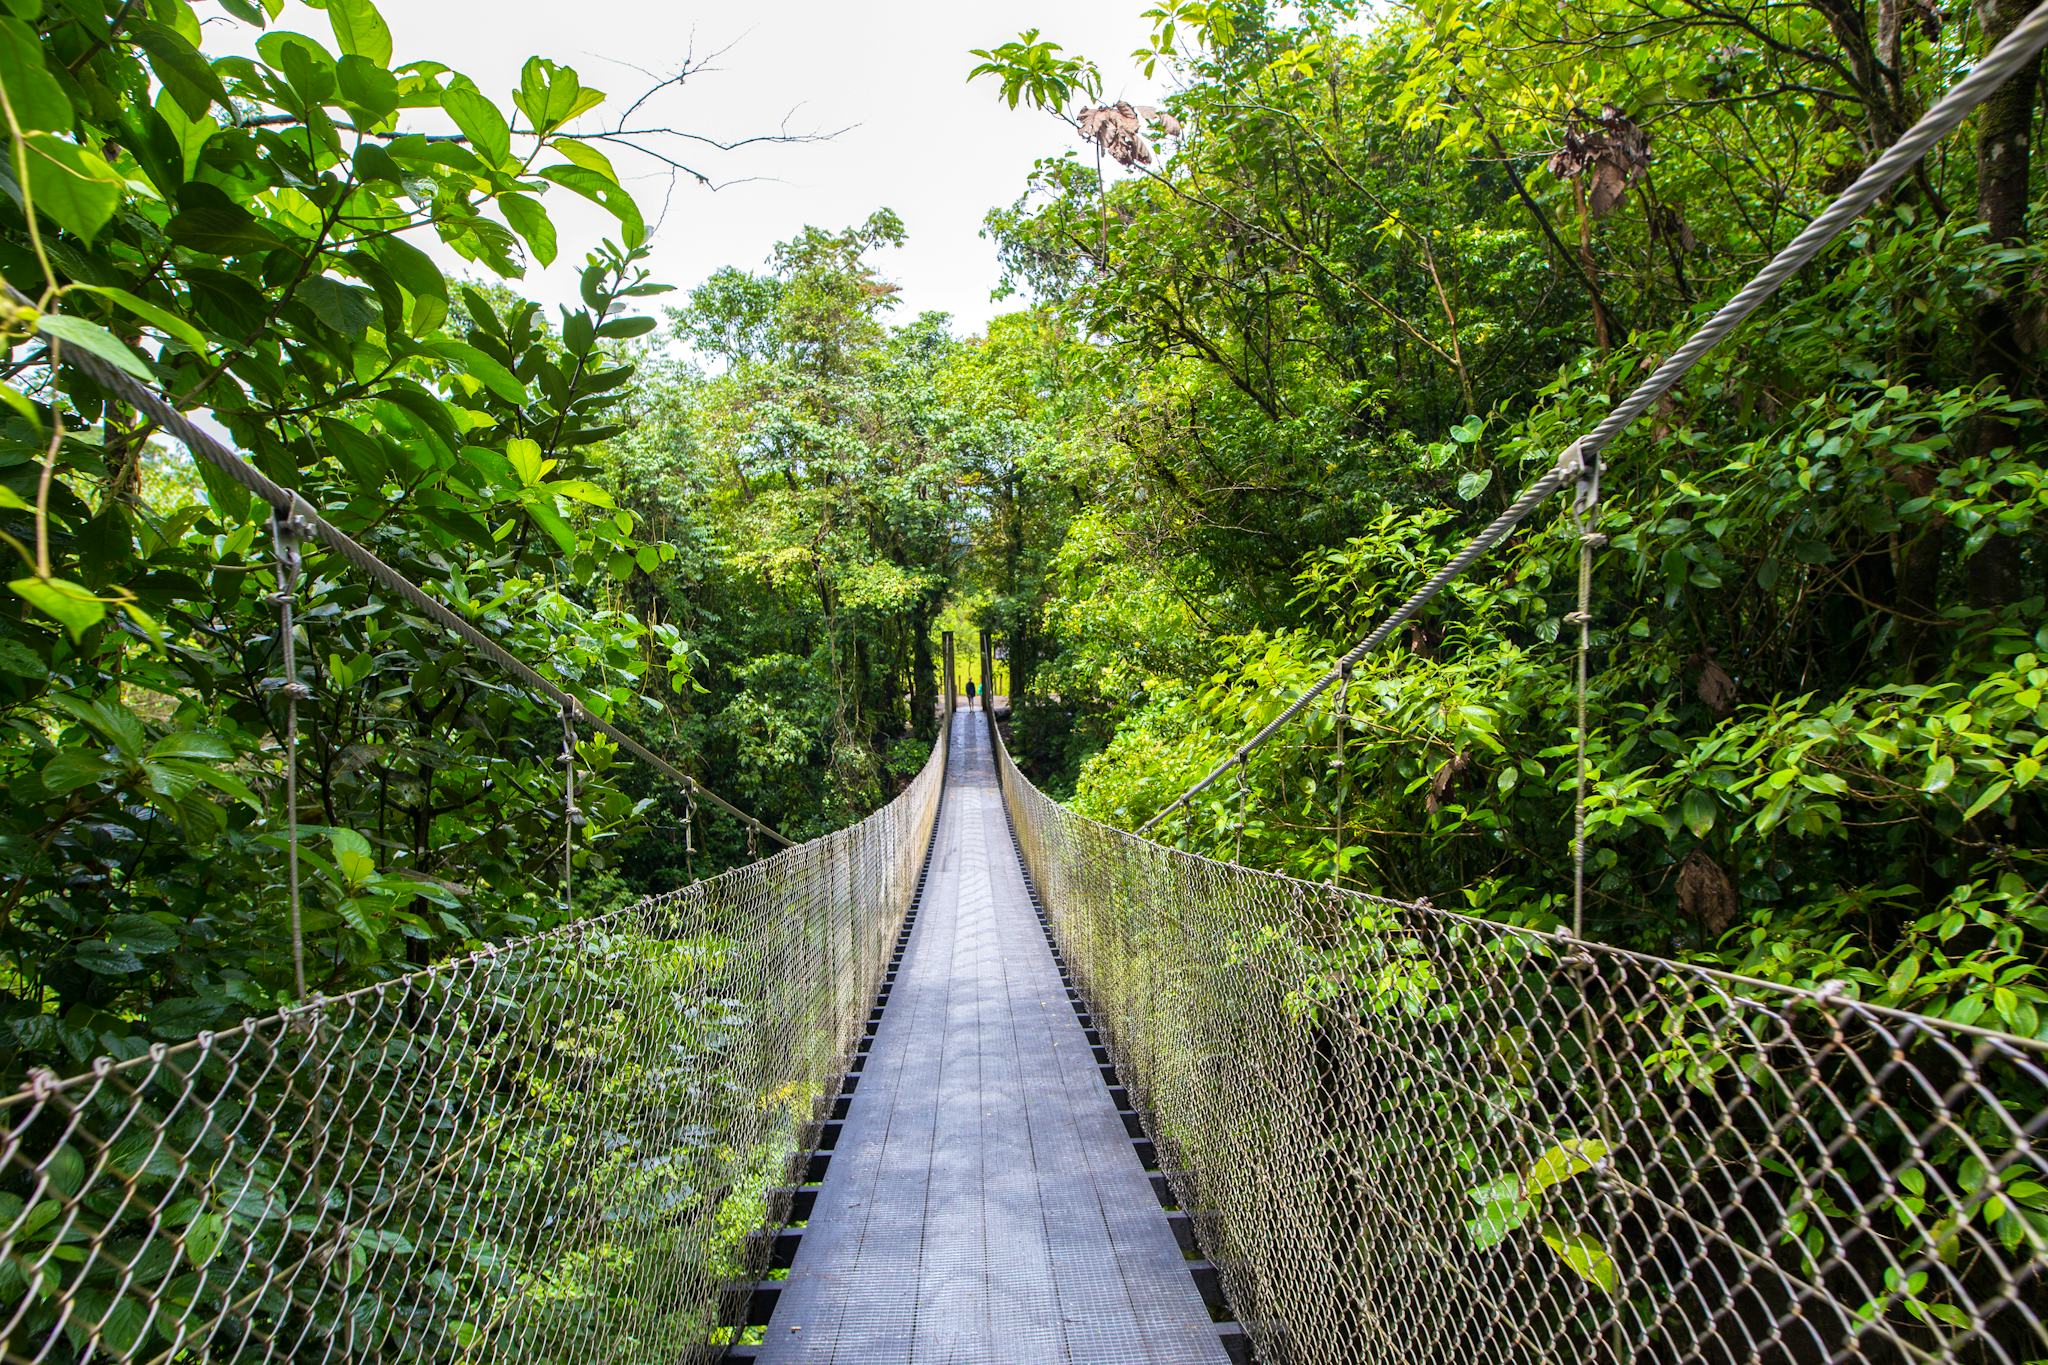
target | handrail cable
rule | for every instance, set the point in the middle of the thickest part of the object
(289, 504)
(2019, 47)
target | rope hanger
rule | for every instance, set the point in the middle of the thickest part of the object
(287, 532)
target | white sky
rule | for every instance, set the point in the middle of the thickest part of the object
(920, 139)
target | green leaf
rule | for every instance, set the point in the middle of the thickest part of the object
(626, 328)
(551, 95)
(188, 744)
(353, 857)
(1992, 795)
(218, 228)
(71, 769)
(160, 318)
(70, 605)
(72, 187)
(1584, 1255)
(523, 454)
(185, 1016)
(549, 518)
(124, 1327)
(475, 363)
(1939, 774)
(112, 722)
(186, 75)
(94, 339)
(480, 120)
(203, 1237)
(1473, 483)
(417, 274)
(367, 86)
(1561, 1163)
(19, 402)
(531, 222)
(228, 783)
(586, 156)
(65, 1170)
(582, 490)
(343, 307)
(358, 29)
(1698, 811)
(141, 935)
(37, 99)
(1502, 1209)
(106, 959)
(599, 190)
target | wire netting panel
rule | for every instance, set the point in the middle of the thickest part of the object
(550, 1151)
(1411, 1136)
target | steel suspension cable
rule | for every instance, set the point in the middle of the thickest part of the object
(288, 502)
(2019, 47)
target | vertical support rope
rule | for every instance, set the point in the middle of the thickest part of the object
(1244, 800)
(1585, 513)
(287, 532)
(570, 815)
(689, 831)
(1340, 772)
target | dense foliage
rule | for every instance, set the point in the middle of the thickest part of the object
(243, 232)
(1284, 342)
(1361, 280)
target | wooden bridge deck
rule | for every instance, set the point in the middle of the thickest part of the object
(984, 1202)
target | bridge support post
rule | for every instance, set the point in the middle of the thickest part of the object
(988, 678)
(952, 691)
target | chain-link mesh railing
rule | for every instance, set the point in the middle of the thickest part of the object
(549, 1151)
(1410, 1136)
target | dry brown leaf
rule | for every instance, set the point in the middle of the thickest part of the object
(1716, 689)
(1706, 892)
(1446, 780)
(1117, 130)
(1608, 152)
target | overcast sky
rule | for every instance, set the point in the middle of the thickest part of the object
(918, 138)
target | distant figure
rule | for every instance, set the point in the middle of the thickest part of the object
(970, 696)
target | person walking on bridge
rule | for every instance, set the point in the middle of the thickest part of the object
(970, 694)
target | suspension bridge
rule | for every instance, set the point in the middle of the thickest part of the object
(980, 1080)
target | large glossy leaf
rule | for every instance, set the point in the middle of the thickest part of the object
(359, 30)
(473, 362)
(74, 188)
(38, 101)
(480, 120)
(93, 339)
(597, 188)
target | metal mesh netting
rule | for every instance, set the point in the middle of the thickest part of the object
(552, 1150)
(1407, 1135)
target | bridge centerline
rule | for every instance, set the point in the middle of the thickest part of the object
(984, 1202)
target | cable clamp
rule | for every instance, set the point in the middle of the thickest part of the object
(1575, 954)
(1584, 469)
(291, 525)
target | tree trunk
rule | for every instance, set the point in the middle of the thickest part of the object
(924, 696)
(2004, 161)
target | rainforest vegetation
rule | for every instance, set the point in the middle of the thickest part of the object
(1277, 346)
(1274, 346)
